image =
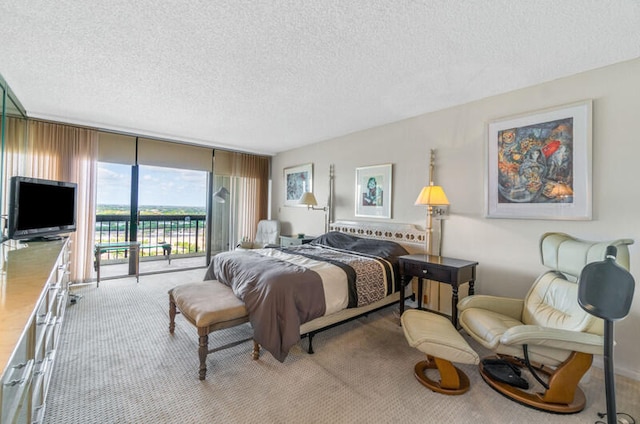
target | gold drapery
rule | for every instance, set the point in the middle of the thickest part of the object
(63, 153)
(249, 190)
(15, 138)
(66, 153)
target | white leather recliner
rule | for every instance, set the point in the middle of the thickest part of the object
(267, 235)
(547, 329)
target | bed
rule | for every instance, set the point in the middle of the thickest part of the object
(300, 290)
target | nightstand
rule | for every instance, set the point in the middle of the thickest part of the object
(437, 268)
(286, 241)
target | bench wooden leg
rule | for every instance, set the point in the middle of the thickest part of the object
(232, 310)
(172, 314)
(203, 350)
(255, 354)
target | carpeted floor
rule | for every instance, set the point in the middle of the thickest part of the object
(117, 363)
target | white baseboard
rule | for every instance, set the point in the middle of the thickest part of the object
(598, 362)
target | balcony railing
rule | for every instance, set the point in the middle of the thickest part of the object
(185, 233)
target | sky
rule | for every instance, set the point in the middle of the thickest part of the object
(157, 186)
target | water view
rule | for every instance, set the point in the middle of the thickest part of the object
(150, 210)
(182, 227)
(172, 208)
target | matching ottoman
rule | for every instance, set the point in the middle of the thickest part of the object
(209, 306)
(436, 336)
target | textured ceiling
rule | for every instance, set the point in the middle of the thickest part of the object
(266, 76)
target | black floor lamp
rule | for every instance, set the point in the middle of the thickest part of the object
(605, 290)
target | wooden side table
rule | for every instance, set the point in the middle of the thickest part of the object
(454, 272)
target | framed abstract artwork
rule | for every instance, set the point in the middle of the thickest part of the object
(373, 191)
(297, 180)
(539, 164)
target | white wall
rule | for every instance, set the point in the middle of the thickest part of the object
(506, 249)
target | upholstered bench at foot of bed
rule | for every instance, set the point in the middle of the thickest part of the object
(436, 336)
(210, 306)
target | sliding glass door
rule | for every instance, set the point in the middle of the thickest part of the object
(172, 207)
(168, 189)
(168, 217)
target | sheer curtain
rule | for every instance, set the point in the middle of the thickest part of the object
(64, 153)
(251, 192)
(248, 177)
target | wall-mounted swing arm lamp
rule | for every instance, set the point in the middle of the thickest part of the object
(310, 201)
(435, 199)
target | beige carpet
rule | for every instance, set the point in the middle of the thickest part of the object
(117, 363)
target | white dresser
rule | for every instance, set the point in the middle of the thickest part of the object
(33, 298)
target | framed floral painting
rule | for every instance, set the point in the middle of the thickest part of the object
(539, 164)
(297, 180)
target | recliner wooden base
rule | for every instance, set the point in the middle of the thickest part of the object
(563, 396)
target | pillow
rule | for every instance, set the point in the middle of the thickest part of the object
(383, 248)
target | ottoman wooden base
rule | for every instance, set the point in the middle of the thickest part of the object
(209, 306)
(436, 336)
(452, 380)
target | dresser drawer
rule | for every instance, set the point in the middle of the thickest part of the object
(16, 385)
(43, 370)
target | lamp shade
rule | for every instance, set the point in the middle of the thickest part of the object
(221, 195)
(308, 199)
(432, 195)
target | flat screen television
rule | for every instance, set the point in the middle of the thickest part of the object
(40, 209)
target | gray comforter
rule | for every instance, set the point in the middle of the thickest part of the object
(284, 288)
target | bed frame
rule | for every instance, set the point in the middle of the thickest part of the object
(409, 236)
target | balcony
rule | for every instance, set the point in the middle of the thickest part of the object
(185, 234)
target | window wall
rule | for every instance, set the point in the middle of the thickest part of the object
(162, 188)
(244, 176)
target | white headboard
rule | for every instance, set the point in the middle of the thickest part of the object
(408, 235)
